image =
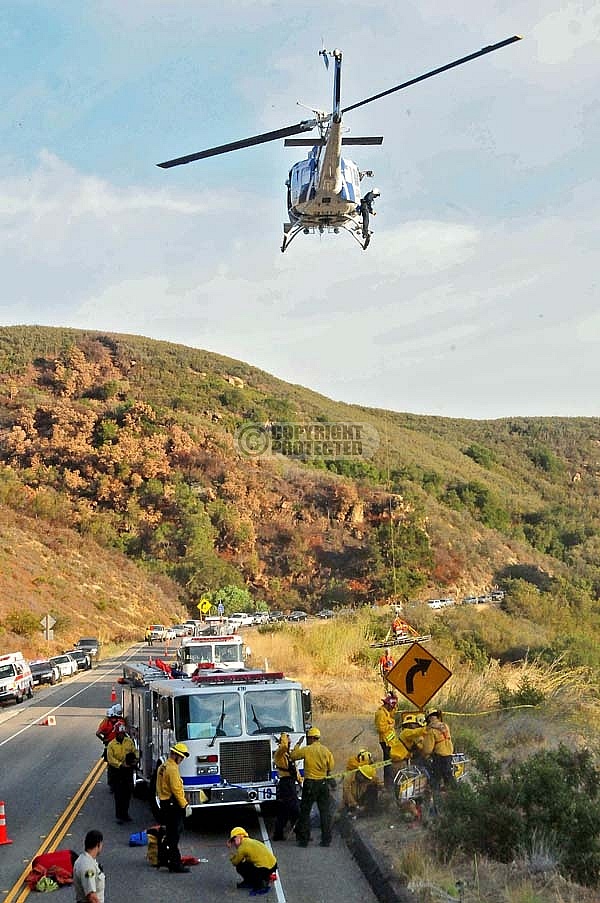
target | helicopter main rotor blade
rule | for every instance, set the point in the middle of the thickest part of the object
(304, 126)
(420, 78)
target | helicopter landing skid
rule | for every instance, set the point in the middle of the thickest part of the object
(358, 233)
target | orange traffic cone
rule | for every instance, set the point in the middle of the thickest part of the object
(113, 694)
(3, 835)
(150, 662)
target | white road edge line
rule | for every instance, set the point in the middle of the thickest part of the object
(277, 885)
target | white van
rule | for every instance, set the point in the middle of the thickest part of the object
(16, 681)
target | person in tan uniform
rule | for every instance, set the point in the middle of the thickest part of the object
(173, 804)
(442, 749)
(253, 861)
(318, 765)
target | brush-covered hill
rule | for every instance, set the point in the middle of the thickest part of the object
(127, 454)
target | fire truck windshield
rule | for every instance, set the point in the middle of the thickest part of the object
(270, 711)
(207, 715)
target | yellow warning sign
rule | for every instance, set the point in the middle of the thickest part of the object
(204, 606)
(418, 675)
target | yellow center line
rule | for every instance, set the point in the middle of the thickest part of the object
(19, 892)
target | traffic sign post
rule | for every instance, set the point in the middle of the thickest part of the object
(418, 675)
(47, 623)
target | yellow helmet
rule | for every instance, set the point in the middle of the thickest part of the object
(364, 757)
(313, 732)
(368, 771)
(285, 739)
(238, 832)
(180, 749)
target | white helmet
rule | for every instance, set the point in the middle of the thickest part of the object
(117, 710)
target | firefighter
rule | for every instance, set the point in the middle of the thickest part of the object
(106, 728)
(385, 721)
(122, 759)
(360, 785)
(409, 741)
(443, 748)
(288, 806)
(253, 861)
(386, 663)
(173, 804)
(318, 765)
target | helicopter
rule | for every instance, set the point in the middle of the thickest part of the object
(324, 190)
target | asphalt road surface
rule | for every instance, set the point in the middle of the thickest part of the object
(54, 792)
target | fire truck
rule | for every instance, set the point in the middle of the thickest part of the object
(227, 652)
(230, 722)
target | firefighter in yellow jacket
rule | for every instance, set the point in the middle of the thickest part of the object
(318, 765)
(409, 741)
(288, 806)
(121, 757)
(385, 722)
(442, 749)
(360, 787)
(173, 804)
(253, 861)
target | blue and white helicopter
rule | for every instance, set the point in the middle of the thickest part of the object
(324, 190)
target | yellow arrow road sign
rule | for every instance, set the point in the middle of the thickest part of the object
(418, 675)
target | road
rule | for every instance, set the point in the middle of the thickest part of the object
(43, 768)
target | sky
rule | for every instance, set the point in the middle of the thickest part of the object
(477, 297)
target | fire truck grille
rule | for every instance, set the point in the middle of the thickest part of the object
(247, 762)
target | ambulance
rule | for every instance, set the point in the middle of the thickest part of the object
(16, 681)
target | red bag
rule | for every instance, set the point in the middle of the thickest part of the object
(64, 859)
(57, 865)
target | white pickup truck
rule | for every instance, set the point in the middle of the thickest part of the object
(240, 619)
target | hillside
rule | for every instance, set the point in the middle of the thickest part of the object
(128, 446)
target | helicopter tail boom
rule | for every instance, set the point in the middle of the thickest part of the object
(319, 142)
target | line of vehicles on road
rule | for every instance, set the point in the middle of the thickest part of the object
(496, 595)
(18, 676)
(220, 623)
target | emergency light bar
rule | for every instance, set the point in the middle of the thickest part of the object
(234, 677)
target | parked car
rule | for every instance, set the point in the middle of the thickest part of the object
(470, 600)
(435, 603)
(44, 671)
(497, 595)
(276, 616)
(83, 658)
(66, 664)
(297, 616)
(91, 645)
(326, 613)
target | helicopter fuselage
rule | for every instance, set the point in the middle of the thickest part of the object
(315, 196)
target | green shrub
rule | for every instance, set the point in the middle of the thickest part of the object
(553, 797)
(23, 623)
(525, 694)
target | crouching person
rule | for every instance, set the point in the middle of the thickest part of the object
(253, 861)
(361, 785)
